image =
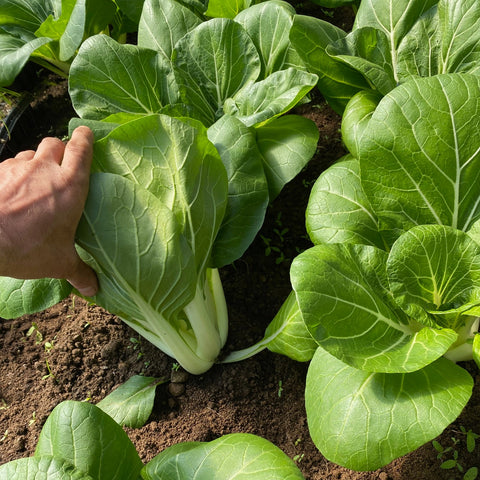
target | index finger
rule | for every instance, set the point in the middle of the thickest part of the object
(77, 158)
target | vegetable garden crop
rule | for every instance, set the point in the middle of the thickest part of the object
(389, 43)
(80, 441)
(390, 292)
(192, 144)
(49, 32)
(155, 269)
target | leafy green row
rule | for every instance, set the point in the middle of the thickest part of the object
(388, 298)
(173, 199)
(81, 441)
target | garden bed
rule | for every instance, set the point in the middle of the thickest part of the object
(78, 351)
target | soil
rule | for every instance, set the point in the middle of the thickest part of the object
(79, 351)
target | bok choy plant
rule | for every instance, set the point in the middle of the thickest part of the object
(391, 41)
(156, 202)
(173, 199)
(388, 299)
(237, 76)
(79, 441)
(49, 32)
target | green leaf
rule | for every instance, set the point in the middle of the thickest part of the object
(476, 349)
(459, 23)
(67, 27)
(268, 25)
(131, 403)
(132, 9)
(226, 8)
(259, 103)
(86, 437)
(419, 162)
(145, 266)
(471, 474)
(212, 63)
(336, 81)
(367, 50)
(356, 117)
(29, 14)
(448, 464)
(288, 334)
(107, 77)
(247, 189)
(434, 268)
(239, 455)
(287, 144)
(177, 163)
(342, 293)
(338, 210)
(42, 468)
(333, 3)
(394, 18)
(14, 54)
(419, 50)
(20, 297)
(364, 420)
(163, 23)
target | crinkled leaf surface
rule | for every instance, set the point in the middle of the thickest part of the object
(85, 436)
(434, 268)
(212, 63)
(107, 77)
(163, 23)
(342, 293)
(364, 420)
(268, 25)
(338, 210)
(443, 40)
(178, 164)
(267, 99)
(367, 50)
(241, 456)
(287, 144)
(337, 81)
(42, 468)
(247, 189)
(132, 402)
(20, 297)
(144, 264)
(420, 163)
(394, 17)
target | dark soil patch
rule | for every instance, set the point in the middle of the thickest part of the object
(78, 351)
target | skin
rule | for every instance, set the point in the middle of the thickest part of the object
(42, 196)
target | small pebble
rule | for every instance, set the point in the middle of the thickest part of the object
(176, 389)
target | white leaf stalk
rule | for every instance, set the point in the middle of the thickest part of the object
(462, 349)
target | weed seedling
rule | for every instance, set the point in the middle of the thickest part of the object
(454, 452)
(280, 388)
(38, 334)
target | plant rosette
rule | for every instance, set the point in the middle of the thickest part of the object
(391, 42)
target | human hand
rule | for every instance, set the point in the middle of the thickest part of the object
(42, 196)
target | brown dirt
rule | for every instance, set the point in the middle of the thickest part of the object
(78, 351)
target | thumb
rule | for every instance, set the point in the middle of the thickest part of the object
(84, 279)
